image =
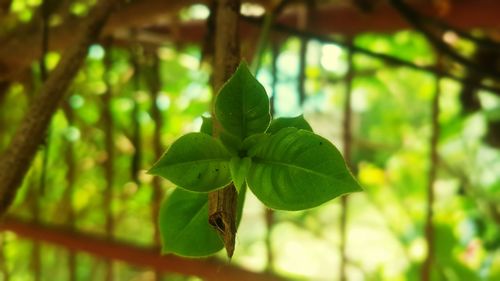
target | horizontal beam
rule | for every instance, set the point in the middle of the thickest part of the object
(207, 269)
(19, 49)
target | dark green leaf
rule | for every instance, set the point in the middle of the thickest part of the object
(252, 141)
(239, 169)
(206, 126)
(296, 169)
(285, 122)
(195, 162)
(231, 142)
(184, 226)
(242, 105)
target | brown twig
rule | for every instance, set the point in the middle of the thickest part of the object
(207, 269)
(347, 138)
(433, 158)
(384, 57)
(18, 156)
(155, 87)
(69, 158)
(269, 214)
(307, 17)
(415, 19)
(134, 116)
(108, 126)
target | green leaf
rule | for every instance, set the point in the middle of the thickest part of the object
(285, 122)
(252, 141)
(206, 125)
(239, 168)
(242, 105)
(184, 227)
(196, 162)
(231, 143)
(297, 169)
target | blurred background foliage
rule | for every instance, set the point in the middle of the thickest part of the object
(391, 132)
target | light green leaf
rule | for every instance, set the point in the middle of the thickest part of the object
(285, 122)
(242, 105)
(296, 169)
(184, 227)
(196, 162)
(239, 168)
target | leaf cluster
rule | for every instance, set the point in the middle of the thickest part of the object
(283, 162)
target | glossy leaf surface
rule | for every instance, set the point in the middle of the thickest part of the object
(184, 226)
(196, 162)
(296, 169)
(239, 168)
(286, 122)
(242, 105)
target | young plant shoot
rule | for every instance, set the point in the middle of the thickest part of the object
(285, 164)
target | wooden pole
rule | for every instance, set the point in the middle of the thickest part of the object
(222, 203)
(15, 161)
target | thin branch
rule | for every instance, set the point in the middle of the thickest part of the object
(269, 19)
(384, 57)
(347, 138)
(69, 158)
(433, 158)
(483, 42)
(269, 214)
(309, 7)
(155, 87)
(413, 18)
(207, 269)
(108, 127)
(18, 156)
(135, 164)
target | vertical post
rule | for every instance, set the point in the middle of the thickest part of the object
(304, 23)
(68, 193)
(107, 119)
(222, 203)
(155, 86)
(16, 159)
(433, 158)
(136, 125)
(269, 213)
(347, 139)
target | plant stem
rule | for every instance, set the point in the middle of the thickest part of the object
(223, 202)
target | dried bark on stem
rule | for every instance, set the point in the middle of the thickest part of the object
(222, 203)
(17, 158)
